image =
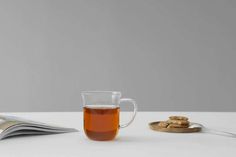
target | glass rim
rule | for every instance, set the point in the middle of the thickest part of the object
(100, 92)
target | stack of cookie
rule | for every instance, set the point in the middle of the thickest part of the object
(175, 122)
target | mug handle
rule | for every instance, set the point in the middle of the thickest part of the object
(134, 112)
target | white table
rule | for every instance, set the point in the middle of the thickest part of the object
(136, 140)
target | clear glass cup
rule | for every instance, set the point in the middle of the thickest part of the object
(101, 114)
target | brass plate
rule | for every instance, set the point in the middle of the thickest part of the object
(154, 126)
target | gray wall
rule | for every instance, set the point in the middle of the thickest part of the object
(169, 55)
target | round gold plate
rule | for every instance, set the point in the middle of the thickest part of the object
(154, 126)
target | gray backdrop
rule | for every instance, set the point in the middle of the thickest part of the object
(168, 55)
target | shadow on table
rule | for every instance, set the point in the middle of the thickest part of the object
(137, 139)
(154, 139)
(25, 136)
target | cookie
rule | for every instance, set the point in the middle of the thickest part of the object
(177, 126)
(180, 122)
(163, 124)
(178, 118)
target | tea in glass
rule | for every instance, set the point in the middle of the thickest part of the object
(101, 114)
(101, 122)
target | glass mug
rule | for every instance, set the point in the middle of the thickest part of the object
(101, 114)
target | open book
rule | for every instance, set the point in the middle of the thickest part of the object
(14, 126)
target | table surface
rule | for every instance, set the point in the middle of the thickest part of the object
(135, 140)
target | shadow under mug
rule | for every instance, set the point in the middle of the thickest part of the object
(101, 114)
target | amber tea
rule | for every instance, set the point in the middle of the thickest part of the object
(101, 122)
(102, 112)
